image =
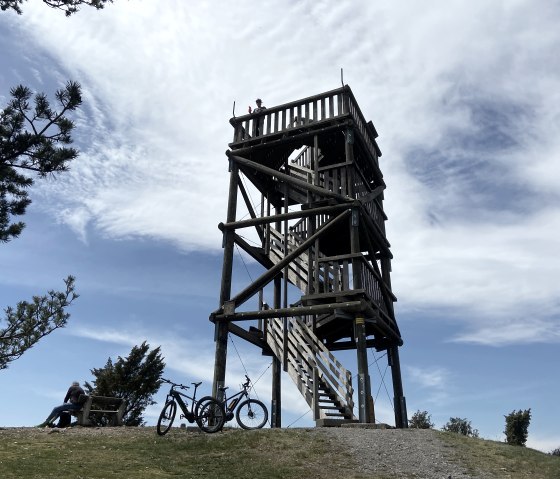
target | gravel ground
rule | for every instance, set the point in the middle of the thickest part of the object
(410, 453)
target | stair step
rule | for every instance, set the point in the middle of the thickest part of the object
(330, 422)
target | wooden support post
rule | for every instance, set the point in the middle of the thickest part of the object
(277, 366)
(316, 408)
(401, 418)
(221, 328)
(364, 386)
(276, 407)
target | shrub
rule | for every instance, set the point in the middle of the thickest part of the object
(460, 426)
(135, 378)
(517, 424)
(421, 420)
(556, 452)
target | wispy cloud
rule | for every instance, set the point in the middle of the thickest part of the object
(527, 331)
(433, 383)
(190, 357)
(464, 103)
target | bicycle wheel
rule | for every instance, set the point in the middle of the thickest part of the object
(200, 404)
(251, 414)
(211, 416)
(166, 417)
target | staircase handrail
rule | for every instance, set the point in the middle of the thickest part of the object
(331, 369)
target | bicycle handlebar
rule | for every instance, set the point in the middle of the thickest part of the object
(174, 385)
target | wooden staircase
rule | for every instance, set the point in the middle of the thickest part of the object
(324, 383)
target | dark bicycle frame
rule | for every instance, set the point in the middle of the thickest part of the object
(229, 408)
(240, 400)
(178, 396)
(210, 418)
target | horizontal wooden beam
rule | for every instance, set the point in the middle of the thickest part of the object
(255, 252)
(288, 179)
(285, 216)
(247, 336)
(349, 306)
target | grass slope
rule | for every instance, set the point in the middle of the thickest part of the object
(500, 460)
(139, 453)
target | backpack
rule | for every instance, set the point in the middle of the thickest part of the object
(64, 420)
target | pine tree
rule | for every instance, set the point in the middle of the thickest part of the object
(136, 379)
(31, 321)
(517, 425)
(33, 139)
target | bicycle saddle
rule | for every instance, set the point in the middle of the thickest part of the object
(223, 388)
(196, 384)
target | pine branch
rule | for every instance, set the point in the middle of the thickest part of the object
(31, 321)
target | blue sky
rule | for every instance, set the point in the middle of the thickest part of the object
(465, 97)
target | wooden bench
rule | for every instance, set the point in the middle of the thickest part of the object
(97, 407)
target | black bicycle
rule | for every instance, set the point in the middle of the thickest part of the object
(250, 414)
(208, 413)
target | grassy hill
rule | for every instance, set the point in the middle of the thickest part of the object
(287, 453)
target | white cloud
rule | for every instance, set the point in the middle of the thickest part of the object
(526, 331)
(433, 383)
(470, 218)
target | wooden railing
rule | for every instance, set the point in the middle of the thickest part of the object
(323, 108)
(336, 274)
(371, 283)
(297, 269)
(373, 207)
(303, 158)
(338, 179)
(310, 363)
(301, 173)
(366, 129)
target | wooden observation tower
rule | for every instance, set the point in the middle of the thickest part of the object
(320, 231)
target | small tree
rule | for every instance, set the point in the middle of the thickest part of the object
(136, 379)
(421, 420)
(31, 321)
(460, 426)
(517, 425)
(555, 452)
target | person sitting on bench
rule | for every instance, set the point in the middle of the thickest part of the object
(74, 404)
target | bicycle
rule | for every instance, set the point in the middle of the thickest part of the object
(250, 414)
(209, 417)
